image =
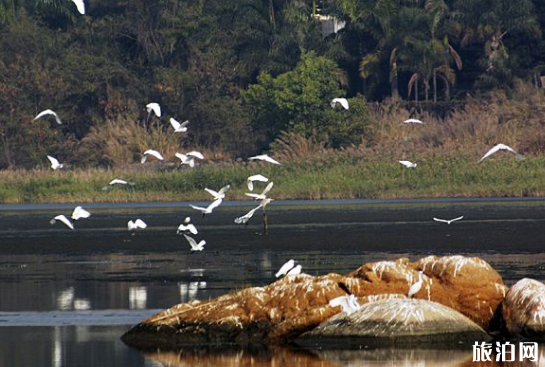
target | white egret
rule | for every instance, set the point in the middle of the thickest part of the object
(348, 303)
(246, 217)
(266, 158)
(264, 203)
(285, 268)
(79, 213)
(63, 219)
(54, 163)
(194, 245)
(80, 5)
(117, 181)
(49, 112)
(413, 122)
(179, 127)
(263, 195)
(187, 226)
(295, 271)
(218, 194)
(415, 288)
(138, 223)
(408, 164)
(447, 221)
(342, 101)
(155, 108)
(250, 180)
(153, 153)
(209, 208)
(496, 149)
(189, 158)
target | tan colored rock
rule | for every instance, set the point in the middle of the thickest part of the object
(397, 322)
(524, 309)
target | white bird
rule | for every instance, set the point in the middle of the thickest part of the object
(413, 122)
(80, 5)
(54, 162)
(49, 112)
(342, 101)
(189, 158)
(117, 181)
(266, 158)
(209, 208)
(447, 221)
(250, 180)
(186, 226)
(263, 195)
(63, 219)
(194, 245)
(79, 213)
(415, 288)
(285, 268)
(218, 194)
(264, 203)
(496, 149)
(348, 303)
(179, 127)
(155, 108)
(153, 153)
(246, 217)
(408, 164)
(294, 271)
(138, 223)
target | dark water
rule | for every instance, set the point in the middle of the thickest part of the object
(67, 296)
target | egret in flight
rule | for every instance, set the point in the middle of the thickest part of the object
(413, 122)
(54, 163)
(447, 221)
(80, 5)
(79, 213)
(187, 226)
(209, 208)
(179, 127)
(408, 164)
(63, 219)
(189, 158)
(496, 149)
(246, 217)
(137, 224)
(194, 245)
(218, 194)
(155, 108)
(343, 102)
(250, 180)
(263, 195)
(153, 153)
(49, 112)
(266, 158)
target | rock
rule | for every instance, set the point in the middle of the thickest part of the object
(395, 322)
(524, 309)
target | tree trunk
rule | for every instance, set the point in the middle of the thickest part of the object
(395, 89)
(416, 91)
(434, 86)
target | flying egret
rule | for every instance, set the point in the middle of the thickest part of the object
(179, 127)
(408, 164)
(218, 194)
(348, 303)
(79, 213)
(342, 101)
(49, 112)
(194, 245)
(138, 223)
(264, 203)
(63, 219)
(153, 153)
(447, 221)
(285, 268)
(80, 5)
(413, 122)
(187, 226)
(250, 180)
(155, 108)
(117, 181)
(295, 271)
(54, 163)
(266, 158)
(209, 208)
(415, 288)
(496, 149)
(246, 217)
(263, 195)
(189, 158)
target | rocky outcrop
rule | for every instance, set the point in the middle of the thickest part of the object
(395, 322)
(524, 309)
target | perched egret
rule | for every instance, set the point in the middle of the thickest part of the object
(194, 245)
(54, 163)
(285, 268)
(415, 288)
(263, 195)
(155, 108)
(79, 213)
(209, 208)
(266, 158)
(348, 303)
(138, 223)
(408, 164)
(342, 101)
(294, 271)
(63, 219)
(49, 112)
(80, 5)
(447, 221)
(153, 153)
(187, 226)
(496, 149)
(250, 180)
(179, 127)
(246, 217)
(218, 194)
(413, 122)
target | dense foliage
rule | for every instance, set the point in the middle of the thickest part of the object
(242, 71)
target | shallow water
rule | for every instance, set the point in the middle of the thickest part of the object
(69, 295)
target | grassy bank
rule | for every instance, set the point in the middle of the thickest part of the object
(337, 176)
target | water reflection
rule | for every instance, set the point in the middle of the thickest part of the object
(188, 291)
(138, 297)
